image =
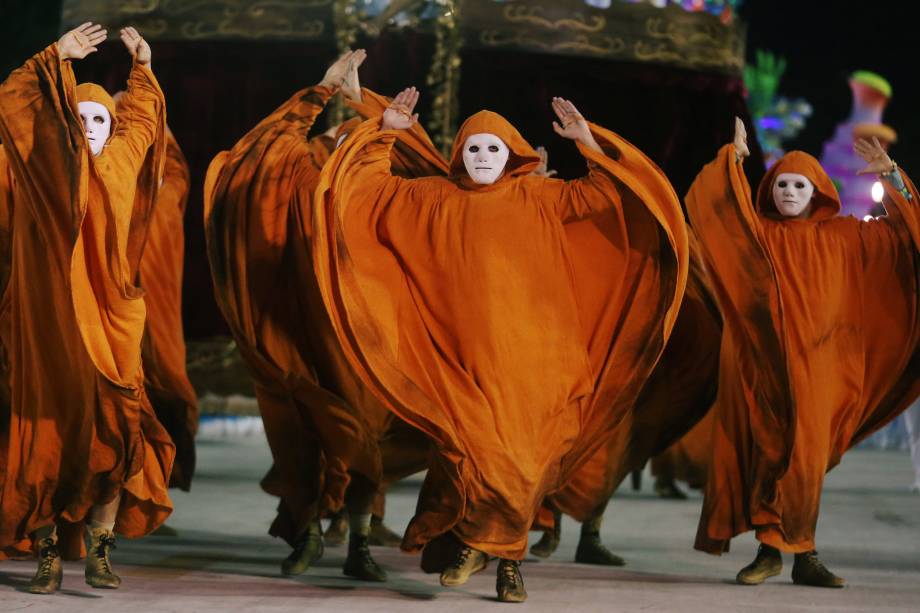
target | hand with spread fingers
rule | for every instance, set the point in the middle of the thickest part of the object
(740, 142)
(874, 155)
(399, 115)
(351, 84)
(81, 41)
(136, 45)
(574, 127)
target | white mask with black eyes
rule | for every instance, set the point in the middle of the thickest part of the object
(97, 123)
(792, 194)
(485, 156)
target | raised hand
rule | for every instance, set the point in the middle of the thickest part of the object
(335, 74)
(740, 142)
(542, 169)
(136, 45)
(351, 84)
(398, 115)
(874, 155)
(574, 126)
(81, 41)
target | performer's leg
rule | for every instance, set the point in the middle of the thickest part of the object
(381, 535)
(100, 533)
(337, 531)
(549, 542)
(359, 498)
(590, 548)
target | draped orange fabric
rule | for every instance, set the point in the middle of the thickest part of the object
(819, 346)
(81, 427)
(677, 395)
(322, 424)
(687, 460)
(163, 350)
(491, 316)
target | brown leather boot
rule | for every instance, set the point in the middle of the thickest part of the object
(98, 570)
(337, 532)
(360, 564)
(47, 579)
(592, 551)
(809, 570)
(509, 583)
(768, 563)
(381, 536)
(549, 542)
(307, 550)
(469, 561)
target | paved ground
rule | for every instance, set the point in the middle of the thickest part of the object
(222, 559)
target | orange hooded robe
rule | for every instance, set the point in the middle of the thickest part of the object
(819, 347)
(322, 424)
(677, 395)
(163, 350)
(81, 429)
(506, 320)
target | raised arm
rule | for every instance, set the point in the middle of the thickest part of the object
(40, 129)
(593, 193)
(141, 110)
(901, 202)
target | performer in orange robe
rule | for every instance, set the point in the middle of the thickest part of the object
(477, 315)
(163, 349)
(84, 444)
(323, 426)
(676, 396)
(820, 344)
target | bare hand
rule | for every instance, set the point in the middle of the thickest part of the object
(398, 115)
(542, 168)
(335, 74)
(81, 41)
(874, 155)
(136, 45)
(351, 84)
(574, 126)
(741, 147)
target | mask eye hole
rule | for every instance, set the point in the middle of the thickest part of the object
(799, 185)
(474, 149)
(781, 184)
(98, 119)
(493, 148)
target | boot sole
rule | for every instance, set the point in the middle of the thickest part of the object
(757, 580)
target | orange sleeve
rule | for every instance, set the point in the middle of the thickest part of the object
(176, 179)
(44, 141)
(414, 155)
(139, 114)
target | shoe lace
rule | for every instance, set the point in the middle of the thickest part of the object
(363, 550)
(106, 542)
(509, 571)
(48, 554)
(463, 557)
(812, 559)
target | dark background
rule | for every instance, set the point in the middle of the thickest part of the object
(216, 91)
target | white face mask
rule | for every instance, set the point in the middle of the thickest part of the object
(792, 193)
(340, 140)
(97, 123)
(485, 156)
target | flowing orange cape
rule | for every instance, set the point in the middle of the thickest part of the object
(677, 395)
(163, 350)
(506, 321)
(321, 422)
(81, 428)
(819, 346)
